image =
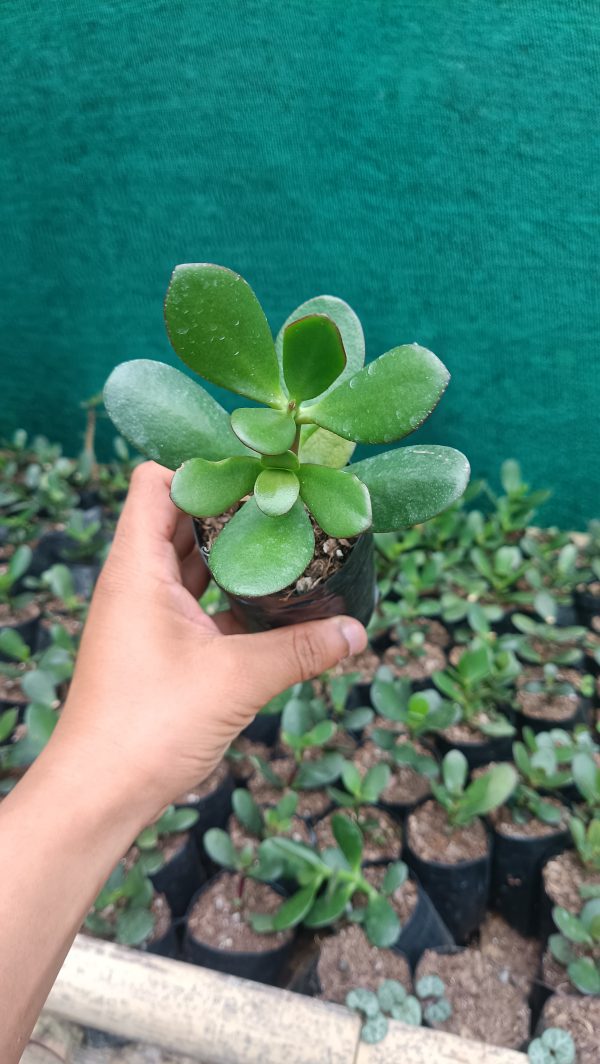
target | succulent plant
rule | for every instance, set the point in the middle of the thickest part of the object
(577, 946)
(463, 803)
(554, 1046)
(319, 400)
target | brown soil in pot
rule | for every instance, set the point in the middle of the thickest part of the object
(432, 839)
(206, 787)
(503, 822)
(432, 659)
(72, 625)
(298, 831)
(219, 918)
(404, 900)
(162, 919)
(581, 1018)
(381, 833)
(539, 705)
(554, 975)
(405, 785)
(517, 958)
(241, 768)
(348, 960)
(366, 664)
(435, 633)
(562, 876)
(484, 1006)
(168, 845)
(548, 651)
(10, 617)
(462, 733)
(10, 689)
(328, 557)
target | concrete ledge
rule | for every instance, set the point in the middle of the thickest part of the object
(219, 1019)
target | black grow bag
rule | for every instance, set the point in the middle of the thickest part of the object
(587, 606)
(213, 809)
(478, 753)
(516, 876)
(459, 892)
(351, 591)
(424, 930)
(262, 966)
(181, 877)
(263, 729)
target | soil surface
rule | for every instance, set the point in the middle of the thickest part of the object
(581, 1018)
(435, 633)
(432, 839)
(516, 958)
(406, 786)
(299, 832)
(10, 690)
(169, 846)
(382, 834)
(10, 617)
(52, 615)
(548, 651)
(484, 1006)
(470, 734)
(539, 705)
(554, 975)
(503, 822)
(366, 663)
(432, 659)
(219, 917)
(329, 553)
(562, 876)
(208, 786)
(404, 899)
(348, 960)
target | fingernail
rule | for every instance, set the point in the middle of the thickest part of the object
(354, 634)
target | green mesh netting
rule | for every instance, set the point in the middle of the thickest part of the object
(434, 163)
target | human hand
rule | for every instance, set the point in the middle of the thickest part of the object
(161, 689)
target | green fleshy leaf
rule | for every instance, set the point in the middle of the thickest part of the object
(134, 926)
(293, 911)
(396, 874)
(39, 686)
(313, 356)
(218, 328)
(206, 489)
(347, 323)
(571, 926)
(321, 447)
(330, 906)
(349, 838)
(276, 491)
(247, 811)
(312, 774)
(13, 646)
(411, 484)
(166, 416)
(585, 975)
(411, 378)
(265, 431)
(381, 923)
(287, 460)
(364, 1001)
(374, 1030)
(219, 848)
(259, 555)
(487, 792)
(337, 499)
(8, 720)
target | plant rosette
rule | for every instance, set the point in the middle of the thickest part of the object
(287, 457)
(548, 696)
(130, 912)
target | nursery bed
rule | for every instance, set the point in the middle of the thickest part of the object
(220, 1019)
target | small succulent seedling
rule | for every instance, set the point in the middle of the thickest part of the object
(586, 777)
(404, 753)
(553, 685)
(431, 990)
(586, 839)
(577, 946)
(319, 400)
(462, 803)
(554, 1046)
(482, 681)
(560, 645)
(59, 581)
(14, 571)
(391, 999)
(338, 689)
(503, 569)
(360, 790)
(327, 883)
(304, 726)
(263, 823)
(417, 713)
(127, 897)
(86, 537)
(172, 822)
(517, 507)
(544, 760)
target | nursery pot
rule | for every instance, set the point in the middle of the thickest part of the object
(587, 605)
(478, 753)
(263, 729)
(262, 966)
(580, 715)
(516, 876)
(459, 892)
(424, 930)
(213, 809)
(180, 877)
(351, 590)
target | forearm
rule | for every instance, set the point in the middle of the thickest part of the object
(62, 831)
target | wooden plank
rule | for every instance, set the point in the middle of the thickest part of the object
(419, 1045)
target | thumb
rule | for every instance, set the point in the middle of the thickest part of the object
(272, 661)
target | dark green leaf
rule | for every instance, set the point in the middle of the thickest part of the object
(207, 489)
(347, 323)
(268, 431)
(487, 792)
(293, 911)
(319, 773)
(218, 328)
(329, 906)
(134, 926)
(338, 501)
(219, 848)
(8, 720)
(375, 781)
(166, 416)
(585, 975)
(247, 811)
(571, 926)
(13, 646)
(259, 555)
(411, 484)
(313, 356)
(396, 874)
(349, 838)
(411, 378)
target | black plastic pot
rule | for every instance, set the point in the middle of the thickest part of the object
(581, 715)
(28, 630)
(167, 946)
(351, 590)
(459, 892)
(84, 579)
(587, 606)
(477, 753)
(262, 967)
(181, 877)
(424, 930)
(517, 874)
(213, 809)
(264, 729)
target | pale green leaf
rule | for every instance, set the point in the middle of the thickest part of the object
(266, 431)
(412, 484)
(276, 491)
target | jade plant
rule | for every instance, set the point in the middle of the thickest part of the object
(543, 640)
(360, 790)
(462, 803)
(577, 945)
(586, 839)
(554, 1046)
(11, 575)
(481, 683)
(418, 713)
(123, 909)
(171, 822)
(318, 400)
(338, 689)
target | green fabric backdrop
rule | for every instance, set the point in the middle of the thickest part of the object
(434, 163)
